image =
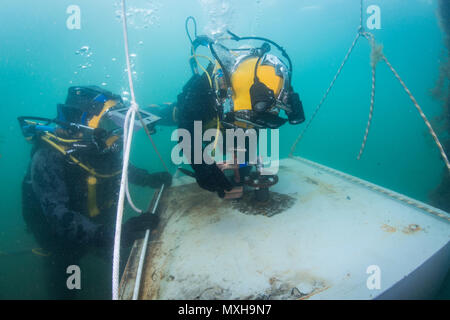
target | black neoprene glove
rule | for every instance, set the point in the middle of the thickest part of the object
(135, 227)
(211, 178)
(156, 180)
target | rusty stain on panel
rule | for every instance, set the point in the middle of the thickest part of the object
(388, 228)
(411, 229)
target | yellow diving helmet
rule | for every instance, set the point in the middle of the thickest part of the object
(271, 72)
(259, 86)
(251, 85)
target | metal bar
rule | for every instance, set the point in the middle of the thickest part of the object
(137, 284)
(157, 199)
(141, 265)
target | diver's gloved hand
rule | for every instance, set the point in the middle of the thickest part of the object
(211, 178)
(135, 227)
(156, 180)
(296, 115)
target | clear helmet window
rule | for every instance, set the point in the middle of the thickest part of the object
(109, 125)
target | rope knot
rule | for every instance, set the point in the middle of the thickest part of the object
(134, 106)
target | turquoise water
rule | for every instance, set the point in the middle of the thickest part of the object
(38, 62)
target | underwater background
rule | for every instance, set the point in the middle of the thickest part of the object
(40, 58)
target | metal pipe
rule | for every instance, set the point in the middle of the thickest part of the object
(157, 199)
(137, 284)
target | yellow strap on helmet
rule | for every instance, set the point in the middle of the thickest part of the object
(93, 123)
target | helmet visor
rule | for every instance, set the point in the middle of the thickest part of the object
(107, 124)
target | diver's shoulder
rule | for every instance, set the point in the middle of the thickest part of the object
(44, 153)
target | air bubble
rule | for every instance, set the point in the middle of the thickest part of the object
(84, 51)
(140, 18)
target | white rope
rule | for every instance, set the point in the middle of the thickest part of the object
(128, 136)
(130, 201)
(127, 189)
(120, 207)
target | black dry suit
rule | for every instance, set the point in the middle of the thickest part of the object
(231, 94)
(197, 103)
(68, 208)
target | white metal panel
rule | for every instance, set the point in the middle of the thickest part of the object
(319, 248)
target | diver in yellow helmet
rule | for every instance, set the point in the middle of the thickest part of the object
(71, 187)
(244, 87)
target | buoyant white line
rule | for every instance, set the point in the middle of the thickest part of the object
(128, 136)
(130, 201)
(127, 189)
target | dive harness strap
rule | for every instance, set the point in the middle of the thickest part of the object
(61, 149)
(91, 180)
